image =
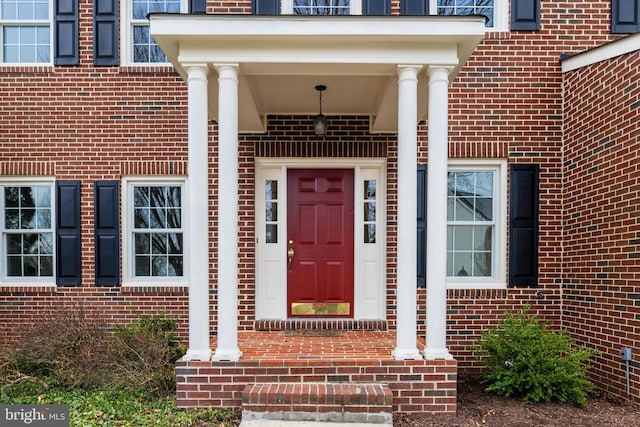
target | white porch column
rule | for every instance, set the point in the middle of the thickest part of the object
(406, 326)
(436, 346)
(227, 348)
(198, 214)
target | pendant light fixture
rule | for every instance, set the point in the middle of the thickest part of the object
(320, 121)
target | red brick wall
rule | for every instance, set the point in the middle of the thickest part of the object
(602, 214)
(91, 123)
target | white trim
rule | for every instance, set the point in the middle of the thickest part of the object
(127, 225)
(499, 279)
(619, 47)
(30, 281)
(274, 291)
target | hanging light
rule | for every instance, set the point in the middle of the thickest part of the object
(320, 121)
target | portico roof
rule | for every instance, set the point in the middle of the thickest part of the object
(282, 58)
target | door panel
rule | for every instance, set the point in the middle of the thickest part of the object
(320, 242)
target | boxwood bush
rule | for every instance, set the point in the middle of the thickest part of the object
(525, 358)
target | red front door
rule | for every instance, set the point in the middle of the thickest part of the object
(320, 242)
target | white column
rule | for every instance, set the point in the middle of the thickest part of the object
(198, 214)
(227, 348)
(436, 347)
(406, 323)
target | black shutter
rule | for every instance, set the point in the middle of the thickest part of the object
(523, 225)
(68, 233)
(197, 6)
(422, 226)
(625, 16)
(107, 233)
(376, 7)
(265, 7)
(525, 15)
(414, 7)
(65, 32)
(105, 32)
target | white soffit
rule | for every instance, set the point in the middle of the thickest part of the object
(283, 58)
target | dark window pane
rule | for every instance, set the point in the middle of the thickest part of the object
(143, 243)
(141, 197)
(27, 218)
(370, 211)
(12, 219)
(369, 233)
(271, 233)
(11, 197)
(142, 265)
(159, 266)
(14, 243)
(46, 266)
(175, 243)
(14, 266)
(141, 218)
(30, 266)
(271, 212)
(159, 243)
(175, 266)
(271, 190)
(370, 190)
(46, 244)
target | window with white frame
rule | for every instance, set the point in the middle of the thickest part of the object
(321, 7)
(26, 31)
(27, 231)
(494, 10)
(138, 46)
(155, 233)
(476, 216)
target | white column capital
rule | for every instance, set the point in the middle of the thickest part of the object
(439, 73)
(406, 70)
(196, 71)
(227, 69)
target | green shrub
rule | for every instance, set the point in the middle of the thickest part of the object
(524, 358)
(146, 351)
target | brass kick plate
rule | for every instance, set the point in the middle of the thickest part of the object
(320, 308)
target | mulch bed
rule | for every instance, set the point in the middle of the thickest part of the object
(479, 408)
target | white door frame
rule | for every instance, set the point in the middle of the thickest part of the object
(369, 258)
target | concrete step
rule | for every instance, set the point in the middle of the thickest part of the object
(319, 402)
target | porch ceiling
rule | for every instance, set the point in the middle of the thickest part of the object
(282, 58)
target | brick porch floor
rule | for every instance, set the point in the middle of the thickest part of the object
(331, 345)
(346, 356)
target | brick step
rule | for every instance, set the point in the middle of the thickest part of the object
(327, 402)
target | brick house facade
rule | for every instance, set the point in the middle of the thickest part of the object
(104, 124)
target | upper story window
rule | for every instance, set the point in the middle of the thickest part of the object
(26, 31)
(139, 47)
(155, 231)
(322, 7)
(26, 228)
(466, 7)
